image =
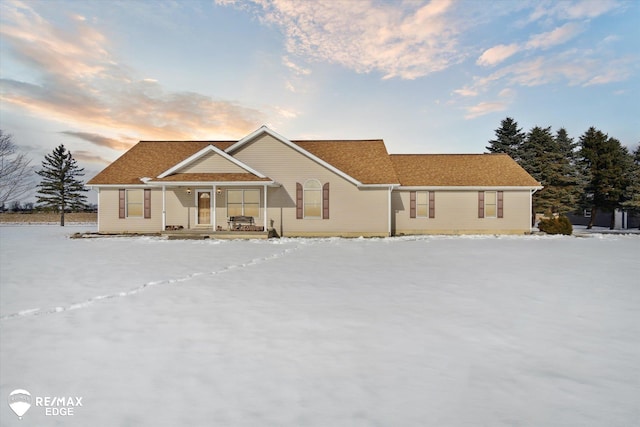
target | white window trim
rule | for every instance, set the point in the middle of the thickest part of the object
(426, 214)
(495, 215)
(243, 203)
(126, 203)
(304, 197)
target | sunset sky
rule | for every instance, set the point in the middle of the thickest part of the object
(427, 77)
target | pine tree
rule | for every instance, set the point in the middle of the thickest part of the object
(59, 188)
(569, 179)
(632, 192)
(551, 160)
(508, 140)
(539, 155)
(605, 163)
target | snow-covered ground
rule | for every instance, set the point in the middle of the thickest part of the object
(430, 331)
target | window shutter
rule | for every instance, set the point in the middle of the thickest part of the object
(121, 203)
(299, 206)
(432, 204)
(480, 204)
(412, 204)
(147, 203)
(325, 201)
(500, 203)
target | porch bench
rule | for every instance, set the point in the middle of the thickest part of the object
(241, 223)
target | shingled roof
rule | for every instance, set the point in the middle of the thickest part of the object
(149, 159)
(365, 160)
(463, 170)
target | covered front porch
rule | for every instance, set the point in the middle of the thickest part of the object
(216, 208)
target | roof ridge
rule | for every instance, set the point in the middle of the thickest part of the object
(338, 140)
(188, 140)
(448, 154)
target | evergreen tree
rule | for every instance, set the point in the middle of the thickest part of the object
(605, 164)
(632, 192)
(59, 188)
(569, 179)
(540, 155)
(508, 140)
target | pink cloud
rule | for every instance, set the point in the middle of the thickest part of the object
(83, 85)
(497, 54)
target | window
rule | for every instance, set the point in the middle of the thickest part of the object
(135, 203)
(312, 199)
(490, 204)
(422, 204)
(243, 202)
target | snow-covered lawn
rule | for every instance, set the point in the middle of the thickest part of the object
(431, 331)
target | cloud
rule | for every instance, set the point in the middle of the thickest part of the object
(102, 141)
(484, 108)
(558, 36)
(295, 67)
(572, 67)
(82, 84)
(506, 95)
(497, 54)
(287, 114)
(581, 9)
(466, 92)
(87, 156)
(405, 40)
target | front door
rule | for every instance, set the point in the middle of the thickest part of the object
(204, 207)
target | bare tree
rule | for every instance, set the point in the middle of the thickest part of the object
(14, 170)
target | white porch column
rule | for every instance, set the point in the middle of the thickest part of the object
(98, 205)
(265, 207)
(390, 210)
(164, 208)
(214, 196)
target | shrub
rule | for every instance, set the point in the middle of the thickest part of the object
(556, 225)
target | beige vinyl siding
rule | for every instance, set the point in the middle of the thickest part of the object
(212, 163)
(179, 205)
(456, 212)
(353, 211)
(108, 215)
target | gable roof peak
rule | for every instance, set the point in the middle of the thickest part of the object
(206, 150)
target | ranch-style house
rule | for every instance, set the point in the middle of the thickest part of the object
(268, 183)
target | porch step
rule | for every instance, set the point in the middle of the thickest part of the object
(194, 234)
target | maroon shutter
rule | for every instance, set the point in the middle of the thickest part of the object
(500, 203)
(412, 204)
(432, 204)
(299, 207)
(480, 204)
(147, 203)
(325, 201)
(121, 204)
